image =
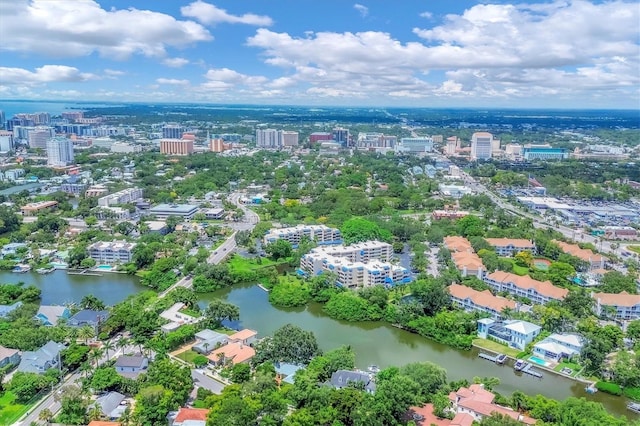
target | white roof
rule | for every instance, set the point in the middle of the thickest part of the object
(570, 339)
(523, 327)
(555, 348)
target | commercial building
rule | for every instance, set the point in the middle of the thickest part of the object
(33, 209)
(6, 141)
(449, 214)
(111, 252)
(543, 152)
(267, 138)
(125, 148)
(214, 214)
(415, 145)
(623, 305)
(341, 136)
(620, 233)
(481, 146)
(39, 136)
(539, 292)
(317, 137)
(455, 191)
(593, 260)
(176, 146)
(172, 131)
(510, 246)
(321, 234)
(59, 151)
(163, 211)
(129, 195)
(483, 301)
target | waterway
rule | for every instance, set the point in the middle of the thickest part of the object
(373, 342)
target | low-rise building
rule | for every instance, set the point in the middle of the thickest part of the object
(469, 264)
(594, 260)
(129, 195)
(244, 336)
(157, 227)
(88, 317)
(208, 341)
(131, 366)
(321, 234)
(539, 292)
(511, 246)
(7, 309)
(483, 301)
(49, 315)
(96, 191)
(112, 405)
(111, 252)
(559, 346)
(479, 403)
(345, 378)
(163, 211)
(39, 361)
(449, 214)
(188, 417)
(214, 214)
(9, 356)
(623, 306)
(232, 353)
(176, 318)
(620, 233)
(513, 333)
(33, 209)
(455, 243)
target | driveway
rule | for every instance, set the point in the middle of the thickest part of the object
(204, 381)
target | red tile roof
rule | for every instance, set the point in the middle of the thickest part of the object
(186, 413)
(620, 299)
(481, 298)
(525, 282)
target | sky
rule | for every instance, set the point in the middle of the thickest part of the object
(424, 53)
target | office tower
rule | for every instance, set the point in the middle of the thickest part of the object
(267, 138)
(176, 146)
(287, 138)
(39, 136)
(216, 145)
(2, 119)
(172, 131)
(340, 136)
(6, 141)
(481, 145)
(59, 151)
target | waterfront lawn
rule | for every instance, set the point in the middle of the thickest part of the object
(576, 368)
(187, 355)
(10, 411)
(241, 264)
(190, 312)
(490, 345)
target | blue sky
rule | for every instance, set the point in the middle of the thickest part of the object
(578, 54)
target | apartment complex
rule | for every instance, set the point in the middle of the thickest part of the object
(321, 234)
(272, 138)
(358, 265)
(59, 151)
(125, 196)
(511, 246)
(484, 301)
(111, 252)
(625, 306)
(176, 146)
(463, 256)
(539, 292)
(594, 260)
(33, 209)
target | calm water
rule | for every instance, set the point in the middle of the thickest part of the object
(374, 342)
(60, 287)
(381, 344)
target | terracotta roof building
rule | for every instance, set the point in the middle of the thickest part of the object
(510, 246)
(483, 301)
(478, 402)
(595, 261)
(232, 353)
(627, 306)
(539, 292)
(468, 263)
(188, 416)
(455, 243)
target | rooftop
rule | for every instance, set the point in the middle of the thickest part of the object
(544, 288)
(481, 298)
(505, 242)
(620, 299)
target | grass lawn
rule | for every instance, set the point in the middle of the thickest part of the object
(190, 312)
(10, 412)
(187, 355)
(495, 347)
(517, 269)
(634, 249)
(241, 264)
(572, 365)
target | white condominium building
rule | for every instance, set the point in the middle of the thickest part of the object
(128, 195)
(321, 234)
(481, 146)
(539, 292)
(111, 252)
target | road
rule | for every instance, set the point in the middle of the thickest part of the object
(225, 249)
(186, 282)
(204, 381)
(250, 219)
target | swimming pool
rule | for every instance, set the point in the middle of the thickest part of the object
(104, 267)
(538, 361)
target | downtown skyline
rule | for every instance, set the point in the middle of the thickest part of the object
(563, 54)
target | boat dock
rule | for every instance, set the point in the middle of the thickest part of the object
(498, 359)
(528, 369)
(634, 406)
(83, 272)
(263, 287)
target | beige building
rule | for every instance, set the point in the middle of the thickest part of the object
(176, 146)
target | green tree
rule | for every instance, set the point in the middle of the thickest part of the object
(289, 343)
(74, 405)
(219, 311)
(280, 249)
(240, 373)
(92, 302)
(432, 295)
(430, 377)
(105, 379)
(560, 272)
(357, 229)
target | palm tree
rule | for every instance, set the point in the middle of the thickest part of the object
(108, 346)
(86, 368)
(123, 343)
(95, 413)
(86, 332)
(95, 355)
(45, 415)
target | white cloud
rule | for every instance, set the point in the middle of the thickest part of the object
(231, 77)
(114, 73)
(44, 74)
(362, 9)
(172, 81)
(209, 14)
(426, 15)
(175, 62)
(79, 28)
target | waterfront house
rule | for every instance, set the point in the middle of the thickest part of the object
(510, 246)
(51, 314)
(539, 292)
(111, 405)
(593, 260)
(478, 402)
(39, 361)
(343, 378)
(176, 318)
(131, 366)
(209, 340)
(187, 416)
(9, 356)
(513, 333)
(559, 346)
(11, 249)
(7, 309)
(624, 306)
(287, 372)
(232, 353)
(423, 416)
(484, 301)
(88, 317)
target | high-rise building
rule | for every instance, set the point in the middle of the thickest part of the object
(6, 141)
(415, 145)
(2, 119)
(267, 138)
(216, 145)
(172, 131)
(288, 138)
(481, 146)
(73, 115)
(176, 146)
(38, 118)
(59, 151)
(340, 136)
(39, 136)
(453, 145)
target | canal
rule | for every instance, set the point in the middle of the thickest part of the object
(373, 342)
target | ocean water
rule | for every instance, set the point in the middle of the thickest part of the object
(11, 107)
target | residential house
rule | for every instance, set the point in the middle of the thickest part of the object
(478, 402)
(103, 423)
(51, 314)
(513, 333)
(88, 317)
(11, 249)
(232, 353)
(539, 292)
(593, 260)
(209, 340)
(188, 417)
(7, 309)
(344, 378)
(9, 356)
(423, 416)
(623, 306)
(112, 405)
(559, 346)
(483, 301)
(39, 361)
(131, 366)
(176, 317)
(287, 372)
(511, 246)
(245, 336)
